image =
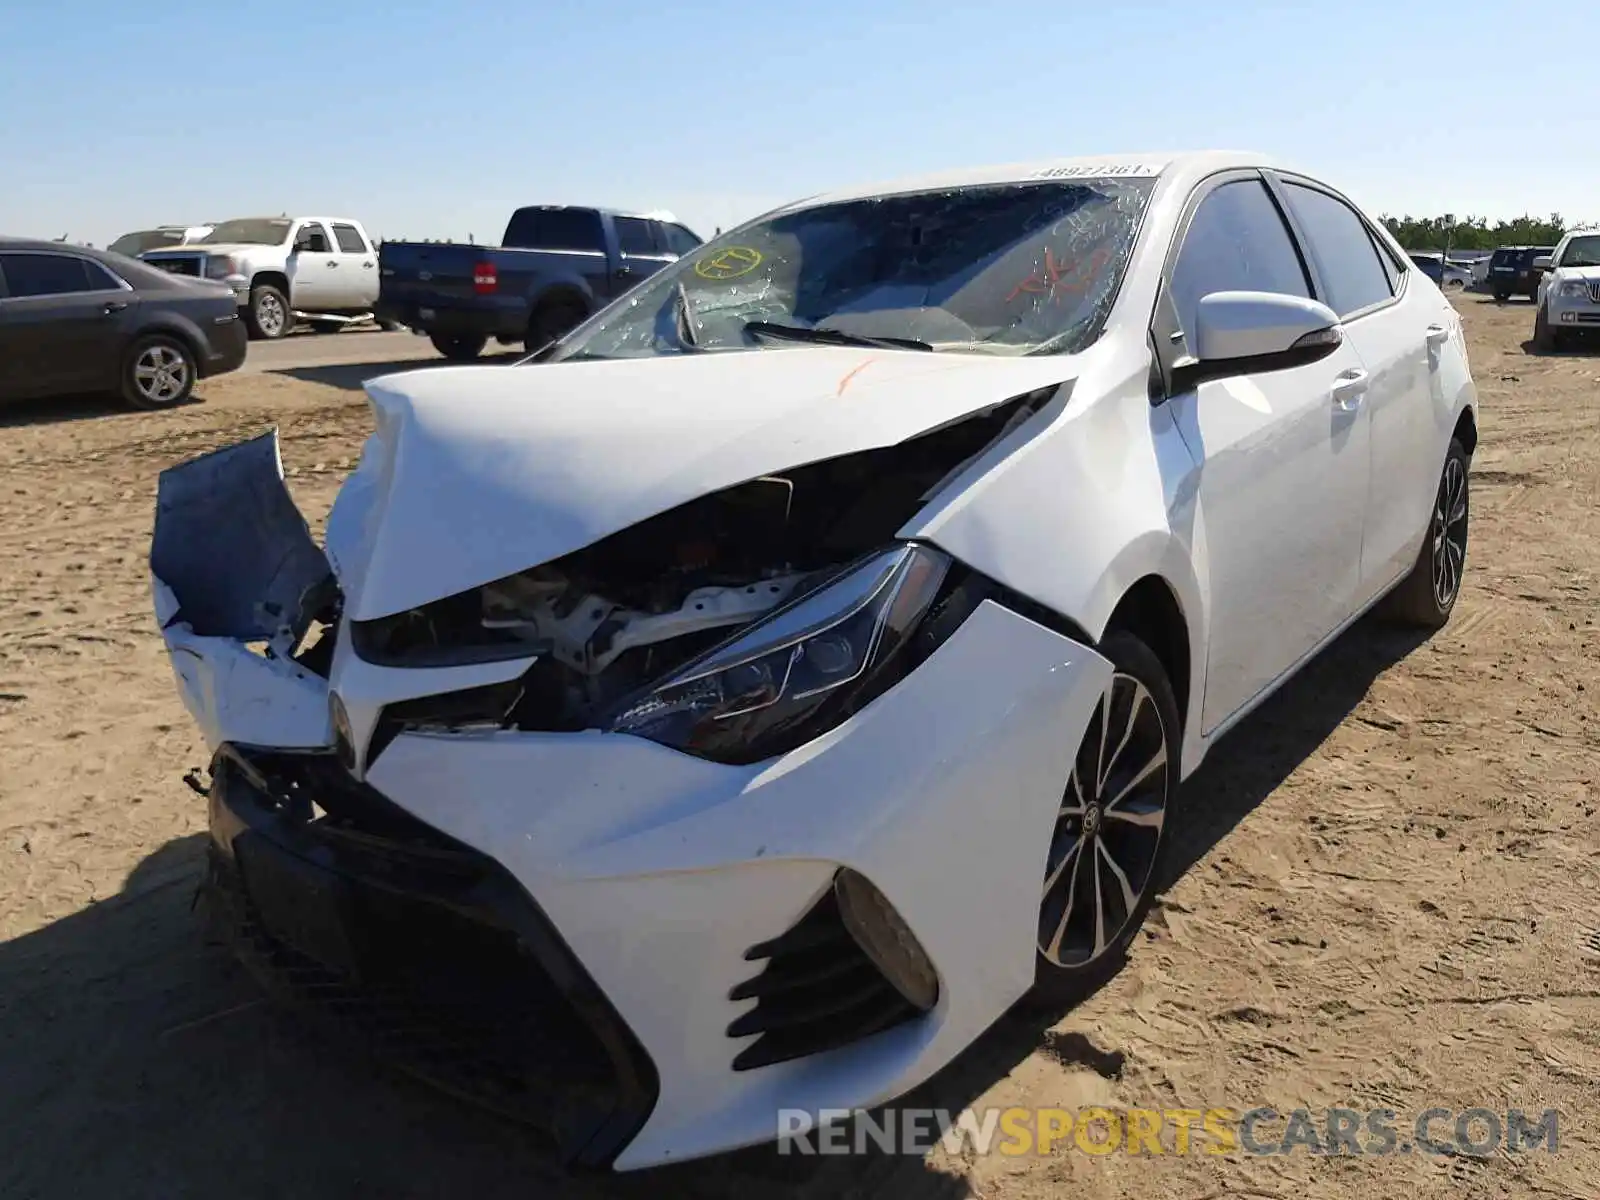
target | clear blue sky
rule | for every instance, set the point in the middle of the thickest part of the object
(435, 119)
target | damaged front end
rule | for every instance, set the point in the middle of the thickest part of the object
(734, 626)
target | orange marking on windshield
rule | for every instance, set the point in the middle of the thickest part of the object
(852, 373)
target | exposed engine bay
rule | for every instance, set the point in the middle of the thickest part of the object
(614, 616)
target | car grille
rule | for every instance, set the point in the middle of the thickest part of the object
(1594, 290)
(178, 266)
(818, 991)
(419, 950)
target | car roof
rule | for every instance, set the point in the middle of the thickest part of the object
(1181, 167)
(20, 243)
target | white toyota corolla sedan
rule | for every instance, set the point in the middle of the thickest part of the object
(740, 705)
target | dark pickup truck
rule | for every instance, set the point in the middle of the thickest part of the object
(554, 267)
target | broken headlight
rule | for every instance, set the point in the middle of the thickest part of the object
(799, 671)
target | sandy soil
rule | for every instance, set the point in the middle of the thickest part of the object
(1390, 899)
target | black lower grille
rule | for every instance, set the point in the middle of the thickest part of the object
(419, 950)
(177, 266)
(818, 991)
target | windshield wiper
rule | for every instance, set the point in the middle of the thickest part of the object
(830, 337)
(686, 319)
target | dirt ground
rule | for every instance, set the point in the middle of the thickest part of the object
(1390, 902)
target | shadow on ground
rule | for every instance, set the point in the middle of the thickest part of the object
(139, 1063)
(52, 410)
(351, 376)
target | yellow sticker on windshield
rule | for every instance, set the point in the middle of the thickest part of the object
(728, 263)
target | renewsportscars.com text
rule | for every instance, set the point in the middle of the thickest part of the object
(1218, 1131)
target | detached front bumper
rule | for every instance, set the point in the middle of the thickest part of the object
(687, 905)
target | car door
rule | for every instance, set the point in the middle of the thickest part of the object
(313, 270)
(357, 276)
(1398, 331)
(63, 320)
(1281, 456)
(640, 252)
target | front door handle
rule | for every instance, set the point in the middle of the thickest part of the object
(331, 263)
(1437, 335)
(112, 307)
(1349, 389)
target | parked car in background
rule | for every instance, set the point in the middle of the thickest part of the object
(744, 707)
(136, 243)
(553, 268)
(1480, 271)
(1431, 265)
(79, 320)
(1440, 269)
(1512, 271)
(1569, 292)
(285, 269)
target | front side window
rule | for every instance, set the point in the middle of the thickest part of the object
(251, 231)
(634, 236)
(313, 239)
(679, 240)
(1236, 241)
(350, 240)
(1346, 258)
(1003, 269)
(45, 275)
(1582, 252)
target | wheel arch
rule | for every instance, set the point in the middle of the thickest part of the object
(275, 279)
(1466, 430)
(1151, 611)
(172, 326)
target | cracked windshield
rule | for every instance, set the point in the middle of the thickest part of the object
(1012, 269)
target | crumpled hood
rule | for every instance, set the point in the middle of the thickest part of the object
(477, 472)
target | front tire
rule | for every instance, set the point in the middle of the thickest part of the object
(1426, 597)
(268, 316)
(1544, 335)
(157, 372)
(1111, 842)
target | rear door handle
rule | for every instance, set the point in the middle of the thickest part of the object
(1437, 335)
(331, 263)
(1349, 388)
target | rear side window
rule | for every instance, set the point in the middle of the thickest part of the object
(1236, 241)
(634, 236)
(350, 240)
(1346, 258)
(555, 229)
(46, 275)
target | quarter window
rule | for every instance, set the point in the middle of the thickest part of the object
(1237, 241)
(45, 275)
(1340, 242)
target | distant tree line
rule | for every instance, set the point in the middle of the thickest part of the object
(1475, 233)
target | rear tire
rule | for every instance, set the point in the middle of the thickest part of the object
(1116, 816)
(158, 371)
(1426, 597)
(268, 317)
(552, 320)
(1501, 297)
(459, 347)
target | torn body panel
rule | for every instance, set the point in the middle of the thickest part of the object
(237, 583)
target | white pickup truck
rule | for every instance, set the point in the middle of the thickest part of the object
(285, 269)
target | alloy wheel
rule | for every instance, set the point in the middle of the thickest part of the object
(161, 374)
(1108, 829)
(1449, 532)
(270, 315)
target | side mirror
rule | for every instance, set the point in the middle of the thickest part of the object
(1239, 333)
(1542, 263)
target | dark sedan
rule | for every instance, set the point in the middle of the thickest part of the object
(77, 320)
